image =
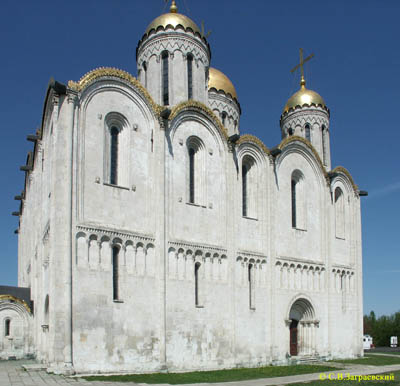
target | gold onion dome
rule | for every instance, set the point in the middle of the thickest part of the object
(304, 97)
(220, 81)
(173, 18)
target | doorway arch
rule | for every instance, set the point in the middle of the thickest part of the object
(303, 326)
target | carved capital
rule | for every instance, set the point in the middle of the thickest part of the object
(71, 97)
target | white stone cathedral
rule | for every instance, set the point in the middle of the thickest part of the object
(154, 237)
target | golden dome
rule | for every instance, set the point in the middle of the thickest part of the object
(174, 19)
(220, 81)
(304, 97)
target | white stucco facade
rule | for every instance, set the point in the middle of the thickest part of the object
(153, 239)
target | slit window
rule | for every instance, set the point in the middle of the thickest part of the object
(191, 175)
(339, 214)
(165, 85)
(294, 219)
(324, 145)
(244, 189)
(190, 75)
(308, 132)
(145, 74)
(7, 327)
(115, 270)
(249, 187)
(298, 200)
(223, 116)
(196, 283)
(195, 171)
(251, 286)
(114, 156)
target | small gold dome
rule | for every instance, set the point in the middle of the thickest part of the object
(304, 97)
(174, 19)
(220, 81)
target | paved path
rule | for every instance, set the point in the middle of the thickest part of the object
(12, 374)
(385, 354)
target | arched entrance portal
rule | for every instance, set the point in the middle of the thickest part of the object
(302, 328)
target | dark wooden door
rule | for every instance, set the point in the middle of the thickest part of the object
(293, 338)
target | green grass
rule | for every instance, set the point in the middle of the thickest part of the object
(214, 376)
(371, 359)
(352, 383)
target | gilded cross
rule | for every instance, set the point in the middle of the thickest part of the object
(301, 65)
(202, 31)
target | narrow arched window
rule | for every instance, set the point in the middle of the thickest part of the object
(223, 117)
(196, 283)
(298, 198)
(114, 156)
(251, 286)
(191, 175)
(115, 262)
(46, 310)
(323, 144)
(190, 75)
(294, 209)
(249, 187)
(339, 214)
(195, 171)
(244, 190)
(7, 327)
(165, 84)
(145, 74)
(308, 132)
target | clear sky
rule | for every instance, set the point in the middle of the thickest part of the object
(356, 69)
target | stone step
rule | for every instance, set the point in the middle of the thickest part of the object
(35, 367)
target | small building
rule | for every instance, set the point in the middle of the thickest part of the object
(367, 342)
(16, 308)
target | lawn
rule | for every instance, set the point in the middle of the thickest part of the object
(215, 376)
(371, 359)
(396, 381)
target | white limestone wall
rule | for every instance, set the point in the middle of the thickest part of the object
(343, 224)
(178, 83)
(115, 335)
(129, 204)
(304, 241)
(198, 336)
(252, 341)
(205, 220)
(34, 250)
(19, 342)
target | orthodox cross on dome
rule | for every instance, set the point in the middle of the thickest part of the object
(202, 30)
(301, 65)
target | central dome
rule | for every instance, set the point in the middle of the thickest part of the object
(220, 81)
(173, 19)
(304, 97)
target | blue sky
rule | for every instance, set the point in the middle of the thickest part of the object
(356, 69)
